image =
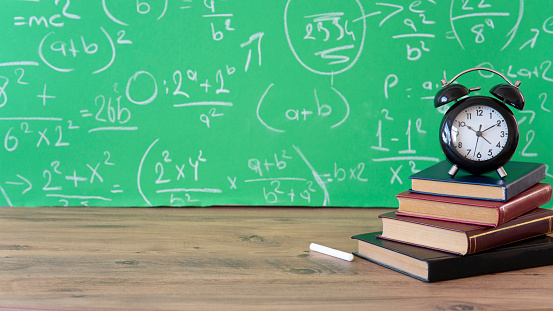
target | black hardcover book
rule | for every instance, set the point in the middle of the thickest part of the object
(433, 266)
(520, 176)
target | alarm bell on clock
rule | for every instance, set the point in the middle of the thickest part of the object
(479, 134)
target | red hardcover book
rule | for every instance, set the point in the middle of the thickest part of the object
(463, 239)
(474, 211)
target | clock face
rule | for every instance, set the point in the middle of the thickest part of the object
(479, 133)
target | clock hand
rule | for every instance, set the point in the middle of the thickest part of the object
(486, 140)
(470, 128)
(477, 138)
(489, 128)
(476, 145)
(481, 133)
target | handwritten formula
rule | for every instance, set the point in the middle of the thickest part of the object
(225, 102)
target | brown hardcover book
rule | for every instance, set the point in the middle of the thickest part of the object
(463, 239)
(480, 212)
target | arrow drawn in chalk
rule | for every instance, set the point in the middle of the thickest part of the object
(23, 182)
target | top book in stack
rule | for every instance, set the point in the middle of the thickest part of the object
(436, 181)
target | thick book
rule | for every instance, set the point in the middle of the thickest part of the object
(479, 212)
(463, 239)
(433, 266)
(488, 186)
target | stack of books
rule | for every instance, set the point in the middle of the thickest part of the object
(447, 228)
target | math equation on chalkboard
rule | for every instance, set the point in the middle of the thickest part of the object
(265, 103)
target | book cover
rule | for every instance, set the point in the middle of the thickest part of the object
(520, 176)
(480, 212)
(433, 266)
(461, 238)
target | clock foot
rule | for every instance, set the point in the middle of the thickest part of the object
(453, 170)
(501, 172)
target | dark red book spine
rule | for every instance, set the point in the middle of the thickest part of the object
(517, 229)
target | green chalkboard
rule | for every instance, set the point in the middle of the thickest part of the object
(249, 102)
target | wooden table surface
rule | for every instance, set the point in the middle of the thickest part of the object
(224, 259)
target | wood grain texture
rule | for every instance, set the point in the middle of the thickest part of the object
(223, 258)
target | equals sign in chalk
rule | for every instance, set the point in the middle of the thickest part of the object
(85, 113)
(331, 252)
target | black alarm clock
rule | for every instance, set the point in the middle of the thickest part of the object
(479, 134)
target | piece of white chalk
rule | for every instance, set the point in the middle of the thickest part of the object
(331, 252)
